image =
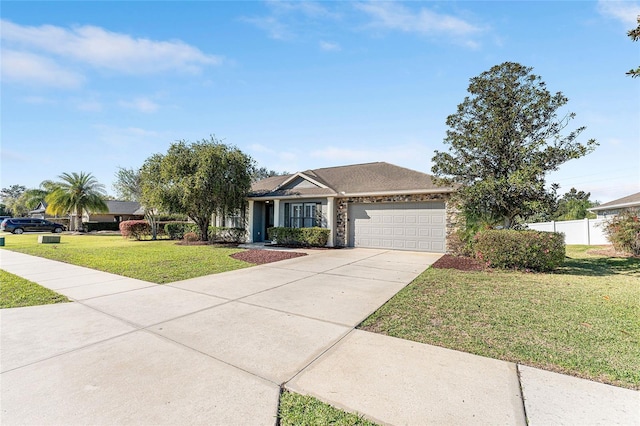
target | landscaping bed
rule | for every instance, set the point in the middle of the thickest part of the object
(461, 263)
(260, 257)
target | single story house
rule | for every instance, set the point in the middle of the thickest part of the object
(375, 205)
(40, 212)
(615, 207)
(118, 211)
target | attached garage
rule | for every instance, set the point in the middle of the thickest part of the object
(399, 226)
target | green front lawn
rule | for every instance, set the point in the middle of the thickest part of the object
(154, 261)
(582, 320)
(16, 292)
(302, 410)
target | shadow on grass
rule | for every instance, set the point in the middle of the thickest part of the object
(601, 266)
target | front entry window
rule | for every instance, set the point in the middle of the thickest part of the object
(310, 218)
(297, 220)
(302, 215)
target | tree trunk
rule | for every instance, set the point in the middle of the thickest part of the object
(204, 230)
(154, 226)
(507, 223)
(79, 220)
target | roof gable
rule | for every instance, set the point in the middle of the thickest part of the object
(299, 182)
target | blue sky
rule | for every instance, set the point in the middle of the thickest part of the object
(93, 86)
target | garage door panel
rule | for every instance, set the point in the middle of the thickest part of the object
(402, 226)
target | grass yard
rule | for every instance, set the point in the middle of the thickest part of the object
(582, 320)
(16, 292)
(300, 410)
(154, 261)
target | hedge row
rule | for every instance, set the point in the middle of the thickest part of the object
(315, 237)
(511, 249)
(177, 231)
(100, 226)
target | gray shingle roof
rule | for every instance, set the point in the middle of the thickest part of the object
(628, 201)
(366, 178)
(123, 207)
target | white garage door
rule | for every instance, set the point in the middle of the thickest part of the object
(400, 226)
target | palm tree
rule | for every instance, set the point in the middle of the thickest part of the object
(31, 197)
(77, 193)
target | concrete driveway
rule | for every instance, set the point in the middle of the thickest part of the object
(210, 350)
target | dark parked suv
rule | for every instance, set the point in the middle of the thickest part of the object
(25, 224)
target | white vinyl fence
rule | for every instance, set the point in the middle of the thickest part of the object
(584, 231)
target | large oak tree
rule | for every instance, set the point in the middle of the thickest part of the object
(197, 180)
(503, 140)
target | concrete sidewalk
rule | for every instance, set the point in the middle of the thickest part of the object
(216, 349)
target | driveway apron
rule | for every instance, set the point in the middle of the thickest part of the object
(209, 350)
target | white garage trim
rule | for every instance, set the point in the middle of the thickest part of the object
(398, 226)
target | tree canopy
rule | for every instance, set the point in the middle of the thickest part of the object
(198, 179)
(76, 193)
(503, 139)
(127, 185)
(634, 34)
(263, 173)
(573, 205)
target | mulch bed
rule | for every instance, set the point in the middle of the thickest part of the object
(260, 257)
(461, 263)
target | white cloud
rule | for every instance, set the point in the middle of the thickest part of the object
(141, 104)
(104, 49)
(37, 70)
(310, 9)
(287, 19)
(329, 47)
(393, 16)
(272, 25)
(626, 12)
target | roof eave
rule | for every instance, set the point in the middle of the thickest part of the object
(615, 206)
(398, 192)
(284, 197)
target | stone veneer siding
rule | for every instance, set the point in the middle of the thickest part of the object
(342, 217)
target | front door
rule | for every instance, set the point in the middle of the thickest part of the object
(268, 219)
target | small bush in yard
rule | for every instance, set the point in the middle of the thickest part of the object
(137, 229)
(623, 231)
(315, 237)
(191, 237)
(510, 249)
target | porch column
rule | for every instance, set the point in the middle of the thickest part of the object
(250, 222)
(276, 213)
(331, 219)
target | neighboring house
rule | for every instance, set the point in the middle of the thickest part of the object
(615, 207)
(118, 211)
(40, 212)
(375, 205)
